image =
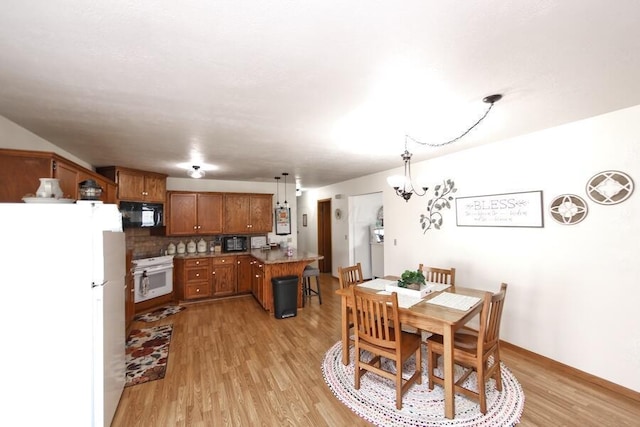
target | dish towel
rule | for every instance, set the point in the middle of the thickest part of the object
(144, 284)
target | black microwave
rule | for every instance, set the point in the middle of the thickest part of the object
(139, 214)
(234, 244)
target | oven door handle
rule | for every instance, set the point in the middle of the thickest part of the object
(153, 269)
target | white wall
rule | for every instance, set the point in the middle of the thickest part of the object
(574, 290)
(18, 138)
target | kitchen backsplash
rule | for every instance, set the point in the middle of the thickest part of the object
(144, 245)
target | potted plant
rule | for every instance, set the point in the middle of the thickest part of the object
(411, 279)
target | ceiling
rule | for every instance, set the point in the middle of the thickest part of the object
(322, 89)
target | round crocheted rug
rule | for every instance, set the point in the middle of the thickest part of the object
(375, 401)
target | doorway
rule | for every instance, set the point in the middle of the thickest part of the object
(324, 235)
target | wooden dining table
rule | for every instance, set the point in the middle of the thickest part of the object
(433, 318)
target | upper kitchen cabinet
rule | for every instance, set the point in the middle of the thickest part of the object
(194, 213)
(248, 213)
(20, 171)
(137, 186)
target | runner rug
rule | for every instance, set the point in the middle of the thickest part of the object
(375, 401)
(159, 313)
(147, 354)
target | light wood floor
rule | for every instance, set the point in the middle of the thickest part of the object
(230, 363)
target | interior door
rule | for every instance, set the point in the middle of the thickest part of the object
(324, 235)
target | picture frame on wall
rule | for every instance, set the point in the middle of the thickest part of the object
(283, 221)
(523, 209)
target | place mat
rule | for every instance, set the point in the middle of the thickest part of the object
(377, 284)
(436, 287)
(404, 301)
(455, 301)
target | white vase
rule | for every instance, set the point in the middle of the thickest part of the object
(49, 188)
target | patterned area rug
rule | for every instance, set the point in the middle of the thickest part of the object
(375, 401)
(147, 354)
(159, 313)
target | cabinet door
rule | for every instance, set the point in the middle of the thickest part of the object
(236, 213)
(130, 186)
(261, 213)
(257, 285)
(209, 213)
(155, 189)
(68, 177)
(223, 277)
(245, 262)
(182, 219)
(19, 175)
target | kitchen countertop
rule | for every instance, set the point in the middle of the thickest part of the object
(274, 256)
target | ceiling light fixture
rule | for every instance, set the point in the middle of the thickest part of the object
(195, 172)
(277, 178)
(403, 183)
(286, 204)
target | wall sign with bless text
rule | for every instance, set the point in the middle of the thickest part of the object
(500, 210)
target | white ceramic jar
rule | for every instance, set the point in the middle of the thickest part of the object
(49, 188)
(202, 246)
(171, 249)
(181, 247)
(191, 247)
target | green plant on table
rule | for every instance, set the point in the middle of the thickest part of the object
(411, 279)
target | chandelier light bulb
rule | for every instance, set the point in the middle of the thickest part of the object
(196, 172)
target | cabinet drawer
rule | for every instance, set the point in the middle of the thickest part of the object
(223, 260)
(197, 290)
(197, 274)
(198, 262)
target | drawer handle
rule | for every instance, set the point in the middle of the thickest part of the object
(197, 262)
(198, 290)
(213, 273)
(197, 274)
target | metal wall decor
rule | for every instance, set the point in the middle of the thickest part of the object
(568, 209)
(610, 187)
(442, 201)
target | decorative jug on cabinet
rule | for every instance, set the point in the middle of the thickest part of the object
(181, 247)
(191, 247)
(202, 246)
(50, 188)
(171, 249)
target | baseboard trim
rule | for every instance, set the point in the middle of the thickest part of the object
(616, 388)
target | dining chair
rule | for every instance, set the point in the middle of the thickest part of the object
(473, 349)
(439, 275)
(351, 275)
(374, 315)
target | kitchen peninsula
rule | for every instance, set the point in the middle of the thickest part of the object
(209, 275)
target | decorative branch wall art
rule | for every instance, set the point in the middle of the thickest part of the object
(500, 210)
(442, 200)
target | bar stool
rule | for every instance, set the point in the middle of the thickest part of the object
(307, 291)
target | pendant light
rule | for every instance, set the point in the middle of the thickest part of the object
(286, 204)
(277, 178)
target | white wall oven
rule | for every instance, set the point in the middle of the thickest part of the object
(152, 277)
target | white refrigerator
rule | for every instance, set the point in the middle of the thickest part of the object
(62, 279)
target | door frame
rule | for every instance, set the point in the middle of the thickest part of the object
(325, 247)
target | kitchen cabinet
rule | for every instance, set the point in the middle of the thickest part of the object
(194, 213)
(223, 275)
(136, 185)
(258, 283)
(244, 263)
(191, 278)
(20, 171)
(248, 213)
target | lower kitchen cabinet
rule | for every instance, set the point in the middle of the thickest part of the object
(245, 264)
(191, 278)
(257, 283)
(223, 275)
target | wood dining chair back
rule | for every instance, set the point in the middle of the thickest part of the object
(374, 317)
(351, 275)
(439, 275)
(473, 349)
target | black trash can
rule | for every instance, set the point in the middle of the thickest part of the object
(285, 296)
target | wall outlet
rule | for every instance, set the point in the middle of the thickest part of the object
(289, 239)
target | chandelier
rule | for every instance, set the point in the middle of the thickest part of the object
(403, 184)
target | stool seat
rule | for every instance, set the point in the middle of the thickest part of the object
(307, 290)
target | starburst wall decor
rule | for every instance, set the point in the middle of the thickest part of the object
(433, 217)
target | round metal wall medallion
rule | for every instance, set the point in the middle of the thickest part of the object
(610, 187)
(338, 214)
(568, 209)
